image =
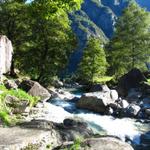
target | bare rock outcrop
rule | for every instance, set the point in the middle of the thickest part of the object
(6, 51)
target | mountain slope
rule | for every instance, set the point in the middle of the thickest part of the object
(96, 18)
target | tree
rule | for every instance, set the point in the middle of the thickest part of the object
(14, 23)
(53, 41)
(49, 8)
(93, 64)
(41, 34)
(130, 46)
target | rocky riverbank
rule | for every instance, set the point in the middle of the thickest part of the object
(96, 118)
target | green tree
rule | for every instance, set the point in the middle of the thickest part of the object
(130, 46)
(14, 23)
(52, 43)
(93, 64)
(41, 34)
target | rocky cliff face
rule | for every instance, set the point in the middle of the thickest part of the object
(96, 18)
(6, 51)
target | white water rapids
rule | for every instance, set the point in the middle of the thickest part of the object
(124, 128)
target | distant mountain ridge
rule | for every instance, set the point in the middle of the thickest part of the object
(96, 18)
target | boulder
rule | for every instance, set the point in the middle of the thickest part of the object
(57, 83)
(124, 104)
(102, 143)
(146, 88)
(37, 124)
(35, 89)
(17, 106)
(60, 94)
(96, 101)
(130, 80)
(6, 51)
(74, 123)
(96, 88)
(147, 111)
(10, 84)
(134, 95)
(114, 95)
(133, 110)
(72, 129)
(99, 87)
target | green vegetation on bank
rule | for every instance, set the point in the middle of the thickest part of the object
(6, 109)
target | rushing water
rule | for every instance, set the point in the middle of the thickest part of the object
(124, 128)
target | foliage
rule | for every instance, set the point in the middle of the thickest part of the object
(76, 145)
(93, 64)
(6, 110)
(5, 117)
(53, 42)
(41, 35)
(15, 24)
(18, 93)
(130, 46)
(50, 8)
(103, 79)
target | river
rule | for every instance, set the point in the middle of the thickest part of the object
(124, 128)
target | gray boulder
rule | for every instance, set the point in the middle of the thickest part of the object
(102, 143)
(133, 110)
(124, 104)
(6, 51)
(17, 106)
(130, 80)
(72, 129)
(114, 95)
(37, 124)
(10, 84)
(96, 101)
(134, 95)
(57, 83)
(99, 87)
(147, 111)
(69, 130)
(35, 89)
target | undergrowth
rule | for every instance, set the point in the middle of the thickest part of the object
(5, 110)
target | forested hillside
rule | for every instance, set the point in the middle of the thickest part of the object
(96, 15)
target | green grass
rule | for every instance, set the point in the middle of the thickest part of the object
(76, 145)
(148, 80)
(102, 79)
(5, 110)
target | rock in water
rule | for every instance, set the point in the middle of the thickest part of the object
(95, 101)
(6, 51)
